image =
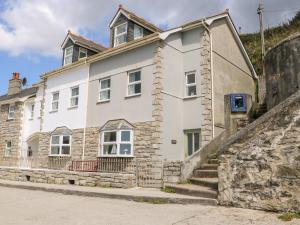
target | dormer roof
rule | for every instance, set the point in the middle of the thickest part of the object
(138, 20)
(83, 42)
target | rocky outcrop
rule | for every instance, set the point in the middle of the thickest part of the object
(260, 165)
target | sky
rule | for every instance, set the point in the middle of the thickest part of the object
(32, 31)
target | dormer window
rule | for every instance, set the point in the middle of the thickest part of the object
(82, 53)
(68, 55)
(120, 34)
(137, 32)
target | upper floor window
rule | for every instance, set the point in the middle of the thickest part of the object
(11, 112)
(31, 108)
(8, 148)
(134, 83)
(60, 145)
(68, 55)
(120, 34)
(137, 32)
(104, 90)
(190, 83)
(82, 53)
(55, 99)
(117, 143)
(74, 97)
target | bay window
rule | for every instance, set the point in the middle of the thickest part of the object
(120, 34)
(60, 145)
(117, 143)
(134, 83)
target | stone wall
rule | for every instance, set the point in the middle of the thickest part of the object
(282, 65)
(117, 180)
(172, 171)
(260, 164)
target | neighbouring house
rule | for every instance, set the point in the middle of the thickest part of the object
(133, 113)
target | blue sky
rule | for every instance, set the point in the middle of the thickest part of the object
(32, 31)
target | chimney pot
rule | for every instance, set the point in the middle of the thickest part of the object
(16, 76)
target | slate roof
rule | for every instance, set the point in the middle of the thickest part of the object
(82, 41)
(23, 93)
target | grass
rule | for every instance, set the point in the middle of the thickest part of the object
(184, 182)
(273, 36)
(289, 216)
(168, 190)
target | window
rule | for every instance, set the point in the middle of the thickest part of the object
(11, 112)
(137, 32)
(120, 34)
(193, 141)
(31, 108)
(238, 103)
(104, 90)
(8, 148)
(68, 55)
(134, 83)
(117, 143)
(55, 99)
(60, 145)
(74, 97)
(190, 79)
(82, 53)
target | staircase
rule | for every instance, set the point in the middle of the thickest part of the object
(203, 183)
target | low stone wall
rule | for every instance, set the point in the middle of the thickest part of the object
(172, 171)
(260, 165)
(117, 180)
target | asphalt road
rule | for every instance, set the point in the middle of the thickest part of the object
(25, 207)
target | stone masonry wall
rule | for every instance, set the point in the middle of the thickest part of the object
(206, 101)
(172, 171)
(260, 165)
(117, 180)
(10, 130)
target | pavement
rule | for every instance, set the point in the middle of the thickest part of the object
(134, 194)
(34, 207)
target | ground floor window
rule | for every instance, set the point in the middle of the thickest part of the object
(193, 141)
(60, 145)
(8, 148)
(117, 143)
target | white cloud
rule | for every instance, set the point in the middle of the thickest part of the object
(39, 26)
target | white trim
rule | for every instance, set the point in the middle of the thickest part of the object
(105, 89)
(54, 101)
(74, 97)
(66, 40)
(11, 113)
(135, 26)
(82, 50)
(69, 55)
(121, 34)
(31, 110)
(60, 144)
(187, 85)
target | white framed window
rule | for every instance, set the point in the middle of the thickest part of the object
(120, 34)
(68, 55)
(11, 112)
(8, 148)
(60, 145)
(55, 100)
(134, 83)
(74, 101)
(117, 143)
(190, 84)
(104, 90)
(82, 53)
(193, 141)
(137, 32)
(31, 111)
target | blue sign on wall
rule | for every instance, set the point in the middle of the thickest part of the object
(238, 102)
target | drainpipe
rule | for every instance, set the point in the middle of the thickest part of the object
(212, 77)
(85, 121)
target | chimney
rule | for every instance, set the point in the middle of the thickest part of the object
(15, 84)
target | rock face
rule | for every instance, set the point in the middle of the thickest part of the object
(260, 165)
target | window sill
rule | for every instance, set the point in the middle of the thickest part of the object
(53, 111)
(10, 119)
(115, 156)
(132, 96)
(72, 107)
(102, 102)
(190, 97)
(66, 156)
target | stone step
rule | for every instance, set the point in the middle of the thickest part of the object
(200, 173)
(194, 190)
(213, 161)
(207, 182)
(209, 166)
